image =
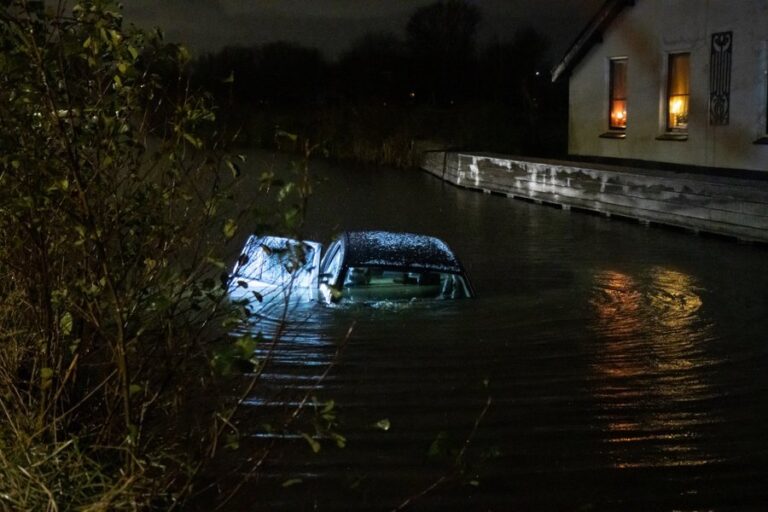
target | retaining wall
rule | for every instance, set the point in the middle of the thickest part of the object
(714, 204)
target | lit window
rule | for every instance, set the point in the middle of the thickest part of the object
(618, 94)
(678, 91)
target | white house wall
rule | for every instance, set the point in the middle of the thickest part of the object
(645, 34)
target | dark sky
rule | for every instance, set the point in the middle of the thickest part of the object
(332, 25)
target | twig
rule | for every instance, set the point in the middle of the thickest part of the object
(456, 463)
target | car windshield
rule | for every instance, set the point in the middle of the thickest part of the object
(278, 261)
(362, 284)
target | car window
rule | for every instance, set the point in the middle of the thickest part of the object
(363, 283)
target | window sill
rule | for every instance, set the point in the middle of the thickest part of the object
(613, 135)
(680, 137)
(762, 140)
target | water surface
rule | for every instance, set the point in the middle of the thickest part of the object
(625, 366)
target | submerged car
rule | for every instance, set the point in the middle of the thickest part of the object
(360, 266)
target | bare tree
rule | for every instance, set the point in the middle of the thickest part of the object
(441, 37)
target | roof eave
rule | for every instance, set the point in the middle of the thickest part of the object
(590, 35)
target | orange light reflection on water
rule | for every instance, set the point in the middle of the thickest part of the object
(648, 362)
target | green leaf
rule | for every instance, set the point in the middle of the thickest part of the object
(196, 142)
(247, 345)
(115, 36)
(314, 444)
(230, 228)
(216, 262)
(292, 482)
(183, 53)
(135, 388)
(383, 424)
(290, 136)
(438, 446)
(73, 346)
(341, 441)
(285, 191)
(133, 434)
(232, 442)
(65, 324)
(329, 405)
(222, 363)
(46, 376)
(233, 168)
(291, 217)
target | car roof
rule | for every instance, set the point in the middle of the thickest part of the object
(401, 250)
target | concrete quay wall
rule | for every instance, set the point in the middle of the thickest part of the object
(734, 207)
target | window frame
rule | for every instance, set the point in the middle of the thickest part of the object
(668, 127)
(612, 66)
(335, 251)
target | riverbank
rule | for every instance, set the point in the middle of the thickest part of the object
(716, 204)
(391, 135)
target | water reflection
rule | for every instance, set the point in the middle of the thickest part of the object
(650, 365)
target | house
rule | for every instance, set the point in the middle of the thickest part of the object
(671, 82)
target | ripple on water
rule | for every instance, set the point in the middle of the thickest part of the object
(626, 370)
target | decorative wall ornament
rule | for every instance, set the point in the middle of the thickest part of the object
(720, 78)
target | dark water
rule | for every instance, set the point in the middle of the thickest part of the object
(626, 367)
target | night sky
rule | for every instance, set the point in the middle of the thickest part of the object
(333, 25)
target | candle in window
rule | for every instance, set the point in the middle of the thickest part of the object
(618, 94)
(678, 90)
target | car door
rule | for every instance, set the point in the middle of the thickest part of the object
(330, 271)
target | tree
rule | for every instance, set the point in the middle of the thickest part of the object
(375, 68)
(280, 73)
(441, 38)
(114, 217)
(289, 74)
(230, 74)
